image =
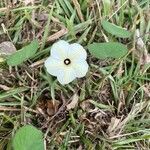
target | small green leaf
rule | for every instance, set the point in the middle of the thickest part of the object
(109, 49)
(22, 55)
(28, 137)
(115, 30)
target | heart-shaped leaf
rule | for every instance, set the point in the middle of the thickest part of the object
(115, 30)
(27, 138)
(109, 49)
(22, 55)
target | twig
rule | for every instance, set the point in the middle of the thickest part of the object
(77, 5)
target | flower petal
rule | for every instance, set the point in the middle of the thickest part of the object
(67, 75)
(77, 52)
(81, 68)
(53, 66)
(59, 49)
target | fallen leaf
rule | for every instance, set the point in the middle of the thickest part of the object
(48, 107)
(80, 147)
(43, 16)
(87, 106)
(26, 2)
(74, 102)
(120, 70)
(112, 129)
(142, 52)
(146, 89)
(4, 87)
(52, 107)
(7, 48)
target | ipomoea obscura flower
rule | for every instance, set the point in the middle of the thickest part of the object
(67, 61)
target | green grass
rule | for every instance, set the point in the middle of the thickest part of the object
(113, 110)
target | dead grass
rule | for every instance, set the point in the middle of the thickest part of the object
(112, 107)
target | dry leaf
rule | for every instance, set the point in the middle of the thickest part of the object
(4, 87)
(80, 147)
(74, 102)
(142, 52)
(7, 48)
(26, 2)
(120, 70)
(52, 107)
(49, 107)
(43, 16)
(87, 106)
(146, 89)
(113, 126)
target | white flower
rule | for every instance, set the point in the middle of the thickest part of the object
(67, 61)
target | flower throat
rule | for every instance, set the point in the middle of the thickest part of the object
(67, 61)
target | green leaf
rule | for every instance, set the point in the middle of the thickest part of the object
(23, 54)
(28, 137)
(109, 49)
(115, 30)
